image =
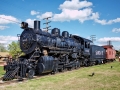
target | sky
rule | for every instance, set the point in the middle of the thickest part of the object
(80, 17)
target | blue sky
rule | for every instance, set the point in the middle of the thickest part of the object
(81, 17)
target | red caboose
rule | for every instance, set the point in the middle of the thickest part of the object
(110, 52)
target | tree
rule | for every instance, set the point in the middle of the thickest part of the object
(14, 49)
(2, 48)
(117, 53)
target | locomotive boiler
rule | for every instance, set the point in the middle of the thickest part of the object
(44, 52)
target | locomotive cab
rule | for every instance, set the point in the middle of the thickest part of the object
(85, 45)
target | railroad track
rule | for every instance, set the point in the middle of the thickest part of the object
(4, 83)
(15, 81)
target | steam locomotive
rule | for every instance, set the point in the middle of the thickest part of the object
(51, 52)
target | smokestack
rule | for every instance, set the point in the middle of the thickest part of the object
(37, 26)
(109, 42)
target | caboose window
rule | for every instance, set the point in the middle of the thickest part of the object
(109, 52)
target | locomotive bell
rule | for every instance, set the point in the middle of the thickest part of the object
(37, 26)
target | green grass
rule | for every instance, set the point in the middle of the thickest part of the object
(2, 72)
(105, 78)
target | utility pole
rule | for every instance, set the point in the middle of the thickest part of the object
(47, 22)
(93, 38)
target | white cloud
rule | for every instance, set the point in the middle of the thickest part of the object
(105, 22)
(67, 15)
(3, 27)
(75, 4)
(72, 10)
(34, 12)
(117, 47)
(116, 30)
(47, 14)
(105, 39)
(80, 15)
(7, 39)
(4, 19)
(76, 34)
(30, 22)
(94, 16)
(76, 10)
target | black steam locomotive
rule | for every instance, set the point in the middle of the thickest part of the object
(51, 52)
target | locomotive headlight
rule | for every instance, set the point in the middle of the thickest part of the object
(24, 25)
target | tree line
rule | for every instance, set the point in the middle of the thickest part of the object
(13, 49)
(2, 48)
